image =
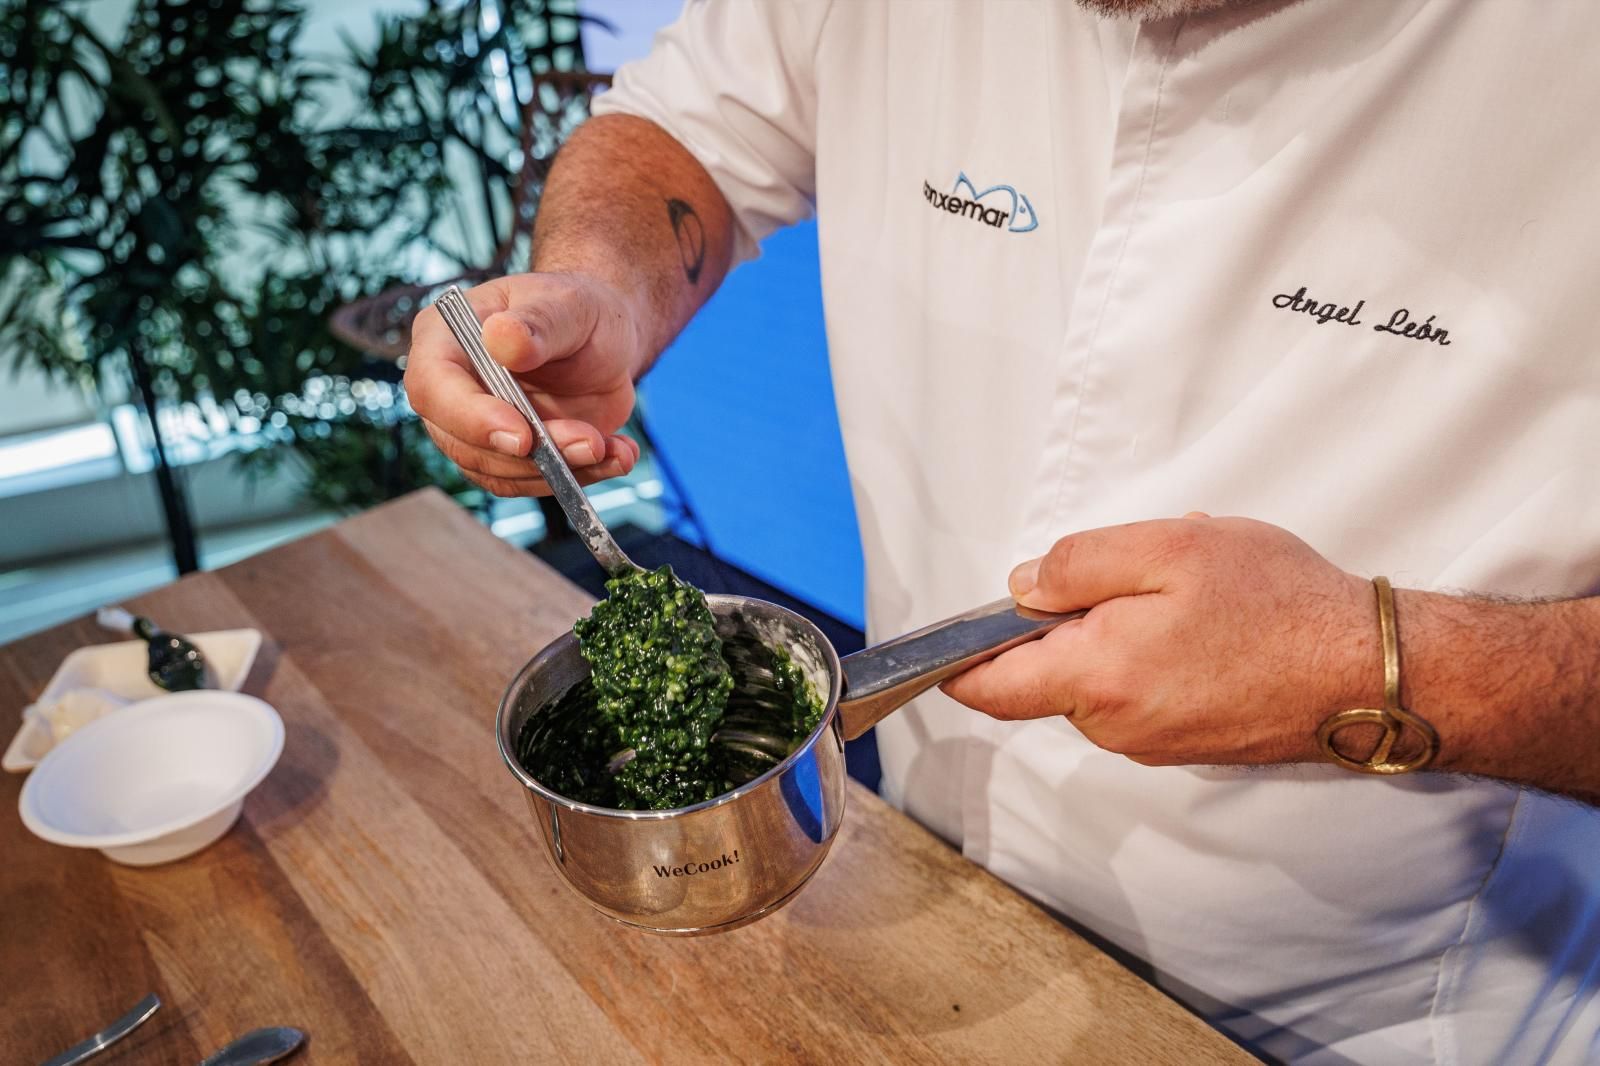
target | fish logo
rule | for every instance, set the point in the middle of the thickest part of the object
(1023, 218)
(1005, 207)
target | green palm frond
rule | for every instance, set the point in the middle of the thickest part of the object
(172, 191)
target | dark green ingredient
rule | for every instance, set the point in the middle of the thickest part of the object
(770, 711)
(769, 680)
(173, 663)
(805, 710)
(661, 683)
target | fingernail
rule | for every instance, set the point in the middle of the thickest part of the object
(1023, 578)
(503, 441)
(580, 453)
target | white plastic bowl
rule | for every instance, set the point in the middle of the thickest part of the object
(157, 780)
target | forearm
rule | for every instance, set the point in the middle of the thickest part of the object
(627, 203)
(1513, 688)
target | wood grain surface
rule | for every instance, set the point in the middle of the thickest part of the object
(385, 892)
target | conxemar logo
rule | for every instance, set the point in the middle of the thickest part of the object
(1003, 202)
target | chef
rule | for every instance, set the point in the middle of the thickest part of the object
(1094, 273)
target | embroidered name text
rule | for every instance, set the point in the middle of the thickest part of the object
(1400, 323)
(1322, 312)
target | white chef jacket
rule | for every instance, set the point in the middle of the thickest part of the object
(1332, 264)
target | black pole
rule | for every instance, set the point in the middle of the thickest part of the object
(174, 506)
(556, 527)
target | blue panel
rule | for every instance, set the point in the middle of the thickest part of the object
(741, 408)
(801, 789)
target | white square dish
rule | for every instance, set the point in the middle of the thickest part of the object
(120, 669)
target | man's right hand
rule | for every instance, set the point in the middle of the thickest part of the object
(574, 343)
(617, 276)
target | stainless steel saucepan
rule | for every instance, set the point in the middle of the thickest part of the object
(730, 860)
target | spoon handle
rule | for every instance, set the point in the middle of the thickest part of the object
(109, 1035)
(123, 621)
(459, 316)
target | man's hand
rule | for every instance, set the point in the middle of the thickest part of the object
(573, 343)
(1208, 640)
(1227, 641)
(616, 277)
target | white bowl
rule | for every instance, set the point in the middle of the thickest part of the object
(157, 780)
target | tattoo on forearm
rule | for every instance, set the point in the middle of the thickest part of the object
(691, 238)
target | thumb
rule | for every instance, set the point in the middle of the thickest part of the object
(525, 337)
(1088, 568)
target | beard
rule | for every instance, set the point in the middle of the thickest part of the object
(1147, 10)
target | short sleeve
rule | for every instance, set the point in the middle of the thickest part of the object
(732, 81)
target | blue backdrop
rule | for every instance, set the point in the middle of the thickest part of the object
(741, 408)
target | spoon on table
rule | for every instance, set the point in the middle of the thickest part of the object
(173, 662)
(118, 1029)
(258, 1047)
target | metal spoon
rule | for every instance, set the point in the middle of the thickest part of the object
(258, 1047)
(109, 1035)
(459, 316)
(173, 662)
(468, 331)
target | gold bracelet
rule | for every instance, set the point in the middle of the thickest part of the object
(1393, 718)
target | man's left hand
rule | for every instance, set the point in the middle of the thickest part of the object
(1208, 640)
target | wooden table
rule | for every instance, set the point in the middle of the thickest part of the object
(384, 890)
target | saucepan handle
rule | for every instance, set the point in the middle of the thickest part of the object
(883, 678)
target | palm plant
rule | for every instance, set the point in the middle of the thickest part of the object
(178, 209)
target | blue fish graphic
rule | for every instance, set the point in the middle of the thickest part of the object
(1023, 217)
